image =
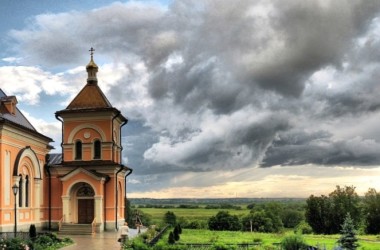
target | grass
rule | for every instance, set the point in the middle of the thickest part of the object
(188, 236)
(367, 242)
(189, 213)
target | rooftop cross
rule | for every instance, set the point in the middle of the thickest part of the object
(92, 51)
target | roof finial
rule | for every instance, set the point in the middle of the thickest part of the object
(92, 51)
(92, 68)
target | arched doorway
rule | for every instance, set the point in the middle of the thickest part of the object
(85, 197)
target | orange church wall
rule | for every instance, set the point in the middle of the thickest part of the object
(104, 125)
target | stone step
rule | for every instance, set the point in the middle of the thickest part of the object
(76, 229)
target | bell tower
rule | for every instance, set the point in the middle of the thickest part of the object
(91, 157)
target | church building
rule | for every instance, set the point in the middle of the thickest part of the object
(84, 185)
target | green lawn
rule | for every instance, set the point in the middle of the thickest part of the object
(267, 239)
(188, 213)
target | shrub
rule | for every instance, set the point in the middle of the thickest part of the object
(171, 239)
(32, 232)
(303, 228)
(224, 221)
(293, 242)
(221, 246)
(176, 233)
(170, 218)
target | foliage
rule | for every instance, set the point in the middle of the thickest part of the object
(170, 218)
(224, 221)
(262, 221)
(344, 200)
(171, 239)
(128, 212)
(42, 242)
(371, 208)
(221, 246)
(32, 232)
(179, 228)
(293, 242)
(176, 233)
(326, 214)
(146, 219)
(348, 239)
(136, 244)
(303, 228)
(291, 218)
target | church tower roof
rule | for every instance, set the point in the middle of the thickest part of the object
(91, 96)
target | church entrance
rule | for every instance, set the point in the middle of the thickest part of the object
(85, 211)
(85, 197)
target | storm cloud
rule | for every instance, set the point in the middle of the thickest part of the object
(217, 85)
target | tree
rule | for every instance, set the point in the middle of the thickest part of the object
(318, 213)
(224, 221)
(176, 233)
(344, 200)
(171, 238)
(326, 214)
(262, 221)
(128, 212)
(348, 239)
(170, 218)
(291, 218)
(371, 208)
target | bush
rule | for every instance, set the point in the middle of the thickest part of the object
(171, 239)
(170, 218)
(303, 228)
(293, 242)
(32, 232)
(221, 246)
(136, 244)
(224, 221)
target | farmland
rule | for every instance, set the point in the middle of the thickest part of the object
(201, 212)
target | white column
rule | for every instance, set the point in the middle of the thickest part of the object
(36, 194)
(98, 208)
(66, 208)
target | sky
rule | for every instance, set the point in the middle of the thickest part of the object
(262, 98)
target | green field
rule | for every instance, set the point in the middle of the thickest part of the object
(191, 236)
(188, 213)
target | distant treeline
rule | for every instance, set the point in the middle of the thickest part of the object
(170, 203)
(191, 206)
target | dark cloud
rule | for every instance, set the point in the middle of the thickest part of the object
(228, 86)
(320, 148)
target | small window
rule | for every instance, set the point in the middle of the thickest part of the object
(78, 150)
(97, 149)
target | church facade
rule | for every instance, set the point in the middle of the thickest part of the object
(85, 184)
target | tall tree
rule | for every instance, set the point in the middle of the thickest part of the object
(318, 213)
(170, 218)
(344, 200)
(348, 239)
(327, 214)
(371, 211)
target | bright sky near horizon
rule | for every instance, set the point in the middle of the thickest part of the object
(224, 98)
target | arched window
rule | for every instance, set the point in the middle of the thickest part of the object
(78, 150)
(97, 149)
(20, 191)
(27, 191)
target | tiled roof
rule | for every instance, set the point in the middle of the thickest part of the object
(91, 96)
(17, 118)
